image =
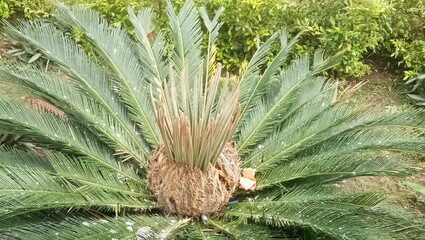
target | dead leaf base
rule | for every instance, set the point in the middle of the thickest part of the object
(188, 191)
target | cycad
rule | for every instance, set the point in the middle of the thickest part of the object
(147, 109)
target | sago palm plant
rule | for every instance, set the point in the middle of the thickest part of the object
(153, 137)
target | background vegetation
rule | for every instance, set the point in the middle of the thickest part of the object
(362, 27)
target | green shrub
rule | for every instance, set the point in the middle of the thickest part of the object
(338, 25)
(6, 8)
(25, 8)
(412, 55)
(243, 23)
(405, 35)
(358, 26)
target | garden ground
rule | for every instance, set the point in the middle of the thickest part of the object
(383, 88)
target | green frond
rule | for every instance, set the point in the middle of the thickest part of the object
(65, 96)
(75, 63)
(86, 175)
(172, 229)
(32, 183)
(375, 140)
(77, 171)
(325, 213)
(151, 54)
(323, 168)
(201, 231)
(11, 156)
(294, 82)
(305, 106)
(30, 190)
(310, 127)
(266, 80)
(251, 75)
(217, 228)
(186, 39)
(245, 230)
(119, 53)
(84, 226)
(53, 133)
(212, 26)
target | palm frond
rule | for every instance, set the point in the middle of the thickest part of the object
(294, 82)
(31, 183)
(186, 39)
(200, 231)
(223, 229)
(86, 175)
(84, 226)
(325, 168)
(65, 96)
(338, 123)
(16, 157)
(251, 75)
(261, 85)
(75, 63)
(53, 133)
(245, 229)
(151, 54)
(120, 55)
(326, 213)
(212, 26)
(28, 190)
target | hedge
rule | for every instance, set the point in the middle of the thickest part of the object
(361, 27)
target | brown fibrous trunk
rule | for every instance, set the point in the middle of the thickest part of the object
(188, 191)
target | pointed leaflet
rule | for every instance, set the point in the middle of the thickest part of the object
(260, 85)
(65, 96)
(94, 82)
(186, 39)
(326, 213)
(326, 167)
(53, 133)
(87, 227)
(151, 52)
(26, 190)
(212, 26)
(249, 79)
(294, 81)
(120, 54)
(348, 130)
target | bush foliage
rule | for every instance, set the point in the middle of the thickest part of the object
(357, 26)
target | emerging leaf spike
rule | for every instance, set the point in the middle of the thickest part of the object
(195, 124)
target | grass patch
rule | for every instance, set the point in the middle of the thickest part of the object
(384, 89)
